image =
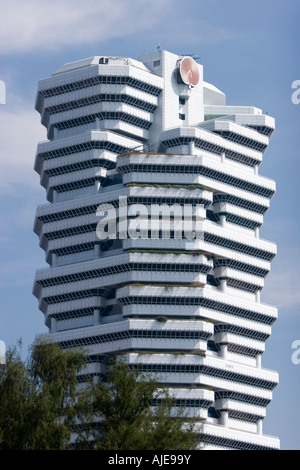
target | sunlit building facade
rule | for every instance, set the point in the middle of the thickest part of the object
(151, 132)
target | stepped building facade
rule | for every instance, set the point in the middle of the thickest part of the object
(129, 139)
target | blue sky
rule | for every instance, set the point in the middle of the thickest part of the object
(248, 49)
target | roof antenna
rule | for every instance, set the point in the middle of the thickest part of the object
(193, 56)
(157, 46)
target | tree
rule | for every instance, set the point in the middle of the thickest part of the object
(123, 416)
(42, 407)
(38, 397)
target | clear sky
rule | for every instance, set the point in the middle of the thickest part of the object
(249, 50)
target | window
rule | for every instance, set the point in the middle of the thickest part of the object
(181, 101)
(103, 60)
(156, 63)
(182, 116)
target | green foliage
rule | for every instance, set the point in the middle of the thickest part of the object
(121, 406)
(189, 187)
(161, 319)
(41, 405)
(37, 397)
(170, 252)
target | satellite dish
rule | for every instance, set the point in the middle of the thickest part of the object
(189, 71)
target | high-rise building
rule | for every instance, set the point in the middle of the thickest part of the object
(128, 138)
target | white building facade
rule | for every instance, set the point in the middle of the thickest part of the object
(151, 132)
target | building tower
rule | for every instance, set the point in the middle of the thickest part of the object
(153, 133)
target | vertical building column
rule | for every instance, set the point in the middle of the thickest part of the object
(53, 325)
(258, 361)
(97, 123)
(224, 351)
(223, 285)
(192, 147)
(97, 250)
(97, 316)
(259, 426)
(222, 220)
(224, 418)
